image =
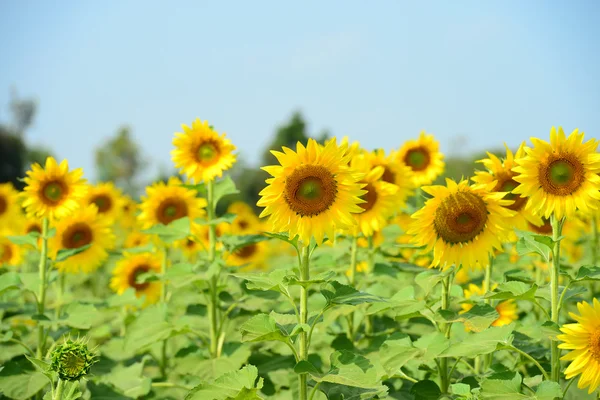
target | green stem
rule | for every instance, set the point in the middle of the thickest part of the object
(303, 354)
(214, 280)
(370, 268)
(314, 390)
(163, 300)
(487, 287)
(171, 385)
(59, 390)
(352, 278)
(22, 345)
(60, 295)
(533, 360)
(42, 290)
(554, 294)
(446, 282)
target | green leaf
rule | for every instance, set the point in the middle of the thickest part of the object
(224, 187)
(79, 316)
(19, 380)
(285, 237)
(334, 391)
(431, 277)
(550, 330)
(240, 385)
(588, 273)
(462, 390)
(150, 327)
(235, 242)
(478, 318)
(30, 239)
(502, 386)
(176, 230)
(479, 343)
(272, 281)
(513, 290)
(104, 392)
(396, 351)
(9, 281)
(345, 294)
(262, 328)
(425, 390)
(431, 346)
(43, 366)
(227, 218)
(129, 380)
(402, 303)
(530, 243)
(346, 368)
(548, 390)
(63, 254)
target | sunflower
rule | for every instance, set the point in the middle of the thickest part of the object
(561, 176)
(10, 253)
(394, 172)
(381, 200)
(53, 191)
(201, 153)
(507, 310)
(107, 198)
(84, 227)
(583, 339)
(313, 192)
(127, 270)
(9, 206)
(201, 234)
(462, 224)
(501, 174)
(361, 268)
(135, 238)
(166, 203)
(128, 213)
(252, 257)
(245, 222)
(424, 158)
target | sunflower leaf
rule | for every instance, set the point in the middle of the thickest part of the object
(484, 342)
(176, 230)
(243, 385)
(588, 273)
(235, 242)
(426, 390)
(478, 318)
(224, 187)
(262, 328)
(285, 237)
(9, 280)
(30, 239)
(396, 351)
(346, 368)
(513, 290)
(347, 295)
(63, 254)
(530, 243)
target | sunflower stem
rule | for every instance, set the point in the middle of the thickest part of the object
(370, 268)
(446, 282)
(42, 296)
(59, 390)
(353, 251)
(163, 300)
(554, 292)
(487, 286)
(303, 354)
(214, 280)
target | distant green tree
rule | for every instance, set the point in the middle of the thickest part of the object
(120, 160)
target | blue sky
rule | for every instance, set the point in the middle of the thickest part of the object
(476, 74)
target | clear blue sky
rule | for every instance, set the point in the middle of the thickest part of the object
(489, 71)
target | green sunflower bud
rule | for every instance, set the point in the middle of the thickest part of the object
(72, 360)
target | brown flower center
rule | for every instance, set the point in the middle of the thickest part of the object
(247, 251)
(545, 229)
(370, 197)
(506, 183)
(103, 202)
(595, 344)
(207, 153)
(561, 174)
(3, 204)
(190, 243)
(171, 209)
(460, 217)
(77, 235)
(53, 192)
(310, 190)
(132, 279)
(34, 227)
(418, 158)
(388, 175)
(243, 224)
(6, 254)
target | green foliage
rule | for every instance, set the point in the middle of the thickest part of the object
(239, 385)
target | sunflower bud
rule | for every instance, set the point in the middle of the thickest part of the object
(72, 360)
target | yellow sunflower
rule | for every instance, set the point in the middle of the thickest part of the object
(394, 172)
(507, 310)
(128, 214)
(10, 253)
(462, 224)
(9, 206)
(501, 174)
(381, 200)
(245, 222)
(361, 267)
(583, 339)
(166, 203)
(561, 176)
(424, 158)
(252, 257)
(201, 153)
(136, 238)
(313, 192)
(129, 268)
(107, 198)
(201, 234)
(53, 191)
(84, 227)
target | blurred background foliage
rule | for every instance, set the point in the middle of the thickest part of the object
(120, 158)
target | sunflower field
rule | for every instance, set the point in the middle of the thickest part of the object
(360, 279)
